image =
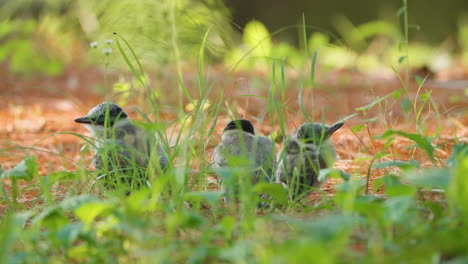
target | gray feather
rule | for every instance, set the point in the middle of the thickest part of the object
(304, 154)
(256, 151)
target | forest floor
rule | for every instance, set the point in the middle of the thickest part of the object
(34, 109)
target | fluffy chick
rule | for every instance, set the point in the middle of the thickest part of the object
(121, 147)
(304, 154)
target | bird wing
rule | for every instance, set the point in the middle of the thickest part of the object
(219, 160)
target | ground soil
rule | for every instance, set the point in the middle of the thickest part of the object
(36, 108)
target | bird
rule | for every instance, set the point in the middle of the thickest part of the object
(240, 147)
(123, 151)
(304, 154)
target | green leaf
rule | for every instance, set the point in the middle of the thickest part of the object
(1, 169)
(458, 189)
(275, 191)
(325, 228)
(459, 152)
(397, 208)
(52, 218)
(25, 170)
(89, 211)
(183, 219)
(406, 105)
(397, 94)
(419, 80)
(429, 178)
(9, 236)
(400, 11)
(73, 202)
(378, 182)
(401, 59)
(69, 233)
(358, 128)
(426, 96)
(394, 187)
(211, 197)
(421, 141)
(412, 164)
(333, 173)
(228, 223)
(61, 176)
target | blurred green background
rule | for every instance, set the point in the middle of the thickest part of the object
(439, 20)
(44, 36)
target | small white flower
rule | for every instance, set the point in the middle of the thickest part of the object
(106, 51)
(93, 44)
(108, 41)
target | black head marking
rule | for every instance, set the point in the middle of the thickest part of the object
(242, 124)
(99, 113)
(316, 133)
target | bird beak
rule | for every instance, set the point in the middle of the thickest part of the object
(334, 127)
(83, 120)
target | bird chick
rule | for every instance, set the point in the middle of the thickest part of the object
(240, 147)
(122, 148)
(304, 154)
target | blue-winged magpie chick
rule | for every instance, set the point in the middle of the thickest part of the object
(122, 148)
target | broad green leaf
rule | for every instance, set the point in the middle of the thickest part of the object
(429, 178)
(458, 189)
(394, 187)
(358, 128)
(228, 224)
(369, 205)
(275, 191)
(426, 96)
(25, 170)
(69, 233)
(421, 141)
(378, 182)
(397, 94)
(89, 211)
(459, 152)
(52, 218)
(397, 208)
(61, 176)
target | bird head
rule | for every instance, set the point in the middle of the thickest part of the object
(106, 113)
(316, 133)
(240, 124)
